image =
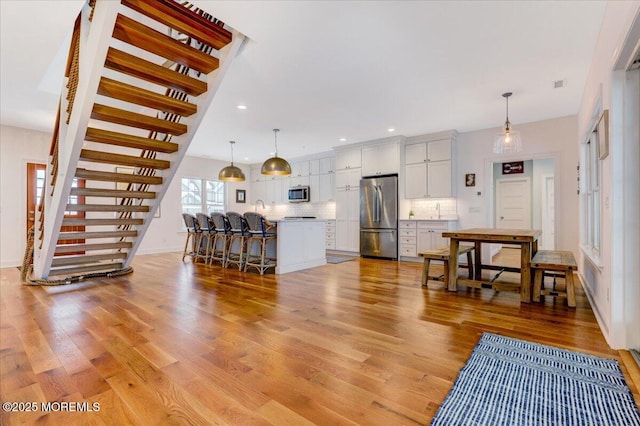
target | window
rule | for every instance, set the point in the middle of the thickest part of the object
(202, 196)
(592, 193)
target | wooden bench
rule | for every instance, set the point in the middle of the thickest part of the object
(442, 254)
(555, 261)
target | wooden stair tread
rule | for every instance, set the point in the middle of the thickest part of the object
(101, 222)
(115, 193)
(75, 248)
(182, 19)
(130, 141)
(121, 159)
(105, 208)
(126, 63)
(90, 235)
(134, 119)
(139, 35)
(147, 98)
(87, 268)
(84, 259)
(117, 177)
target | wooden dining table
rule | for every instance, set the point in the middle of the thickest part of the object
(527, 239)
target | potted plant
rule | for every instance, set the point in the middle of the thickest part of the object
(410, 214)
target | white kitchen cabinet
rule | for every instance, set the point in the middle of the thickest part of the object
(326, 187)
(326, 165)
(429, 235)
(258, 191)
(380, 159)
(300, 168)
(330, 237)
(257, 176)
(348, 158)
(407, 238)
(349, 178)
(273, 190)
(428, 171)
(348, 219)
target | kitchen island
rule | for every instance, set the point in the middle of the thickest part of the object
(300, 244)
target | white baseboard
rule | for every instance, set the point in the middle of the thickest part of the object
(596, 311)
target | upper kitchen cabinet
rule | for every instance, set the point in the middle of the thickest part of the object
(348, 158)
(381, 158)
(322, 179)
(300, 168)
(256, 175)
(429, 166)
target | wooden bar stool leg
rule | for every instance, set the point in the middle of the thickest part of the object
(571, 292)
(445, 264)
(425, 271)
(537, 284)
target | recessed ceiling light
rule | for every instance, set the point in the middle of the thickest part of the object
(242, 107)
(391, 129)
(246, 158)
(343, 139)
(272, 153)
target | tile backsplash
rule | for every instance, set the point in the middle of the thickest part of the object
(320, 210)
(423, 209)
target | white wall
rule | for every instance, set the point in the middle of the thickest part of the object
(17, 148)
(610, 280)
(548, 139)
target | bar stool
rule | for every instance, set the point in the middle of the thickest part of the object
(237, 240)
(220, 224)
(206, 237)
(261, 235)
(193, 234)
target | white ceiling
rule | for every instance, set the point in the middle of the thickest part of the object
(325, 70)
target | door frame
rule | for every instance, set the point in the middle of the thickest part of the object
(545, 218)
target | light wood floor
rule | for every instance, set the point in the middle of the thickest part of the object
(359, 342)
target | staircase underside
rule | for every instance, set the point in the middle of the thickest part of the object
(150, 82)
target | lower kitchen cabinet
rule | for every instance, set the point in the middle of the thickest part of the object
(417, 236)
(348, 219)
(330, 239)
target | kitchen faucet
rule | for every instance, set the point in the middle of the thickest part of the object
(438, 208)
(259, 202)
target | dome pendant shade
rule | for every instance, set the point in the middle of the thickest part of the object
(231, 173)
(276, 165)
(509, 140)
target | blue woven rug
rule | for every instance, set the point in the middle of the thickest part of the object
(512, 382)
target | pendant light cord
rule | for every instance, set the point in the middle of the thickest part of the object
(276, 135)
(232, 142)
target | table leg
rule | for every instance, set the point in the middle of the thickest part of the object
(534, 248)
(525, 273)
(453, 264)
(478, 266)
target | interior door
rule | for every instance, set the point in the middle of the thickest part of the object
(35, 182)
(513, 203)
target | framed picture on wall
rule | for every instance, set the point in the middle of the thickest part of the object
(603, 135)
(241, 196)
(470, 179)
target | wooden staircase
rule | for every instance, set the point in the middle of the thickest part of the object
(154, 68)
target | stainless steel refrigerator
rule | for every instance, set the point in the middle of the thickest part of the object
(379, 216)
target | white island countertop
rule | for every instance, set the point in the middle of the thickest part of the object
(300, 244)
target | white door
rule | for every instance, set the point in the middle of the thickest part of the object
(547, 239)
(513, 203)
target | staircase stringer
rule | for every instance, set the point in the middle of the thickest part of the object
(214, 79)
(95, 38)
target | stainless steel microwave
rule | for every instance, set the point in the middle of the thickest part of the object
(299, 194)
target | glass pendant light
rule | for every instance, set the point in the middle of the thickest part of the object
(231, 173)
(509, 140)
(276, 165)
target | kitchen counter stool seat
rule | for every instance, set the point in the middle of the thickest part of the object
(193, 236)
(222, 235)
(261, 245)
(236, 254)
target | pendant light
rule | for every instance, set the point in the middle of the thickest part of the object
(508, 141)
(231, 173)
(276, 165)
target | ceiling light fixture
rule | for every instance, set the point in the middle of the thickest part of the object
(508, 141)
(231, 173)
(391, 129)
(343, 139)
(276, 165)
(242, 107)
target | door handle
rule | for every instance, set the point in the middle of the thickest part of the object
(378, 231)
(501, 217)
